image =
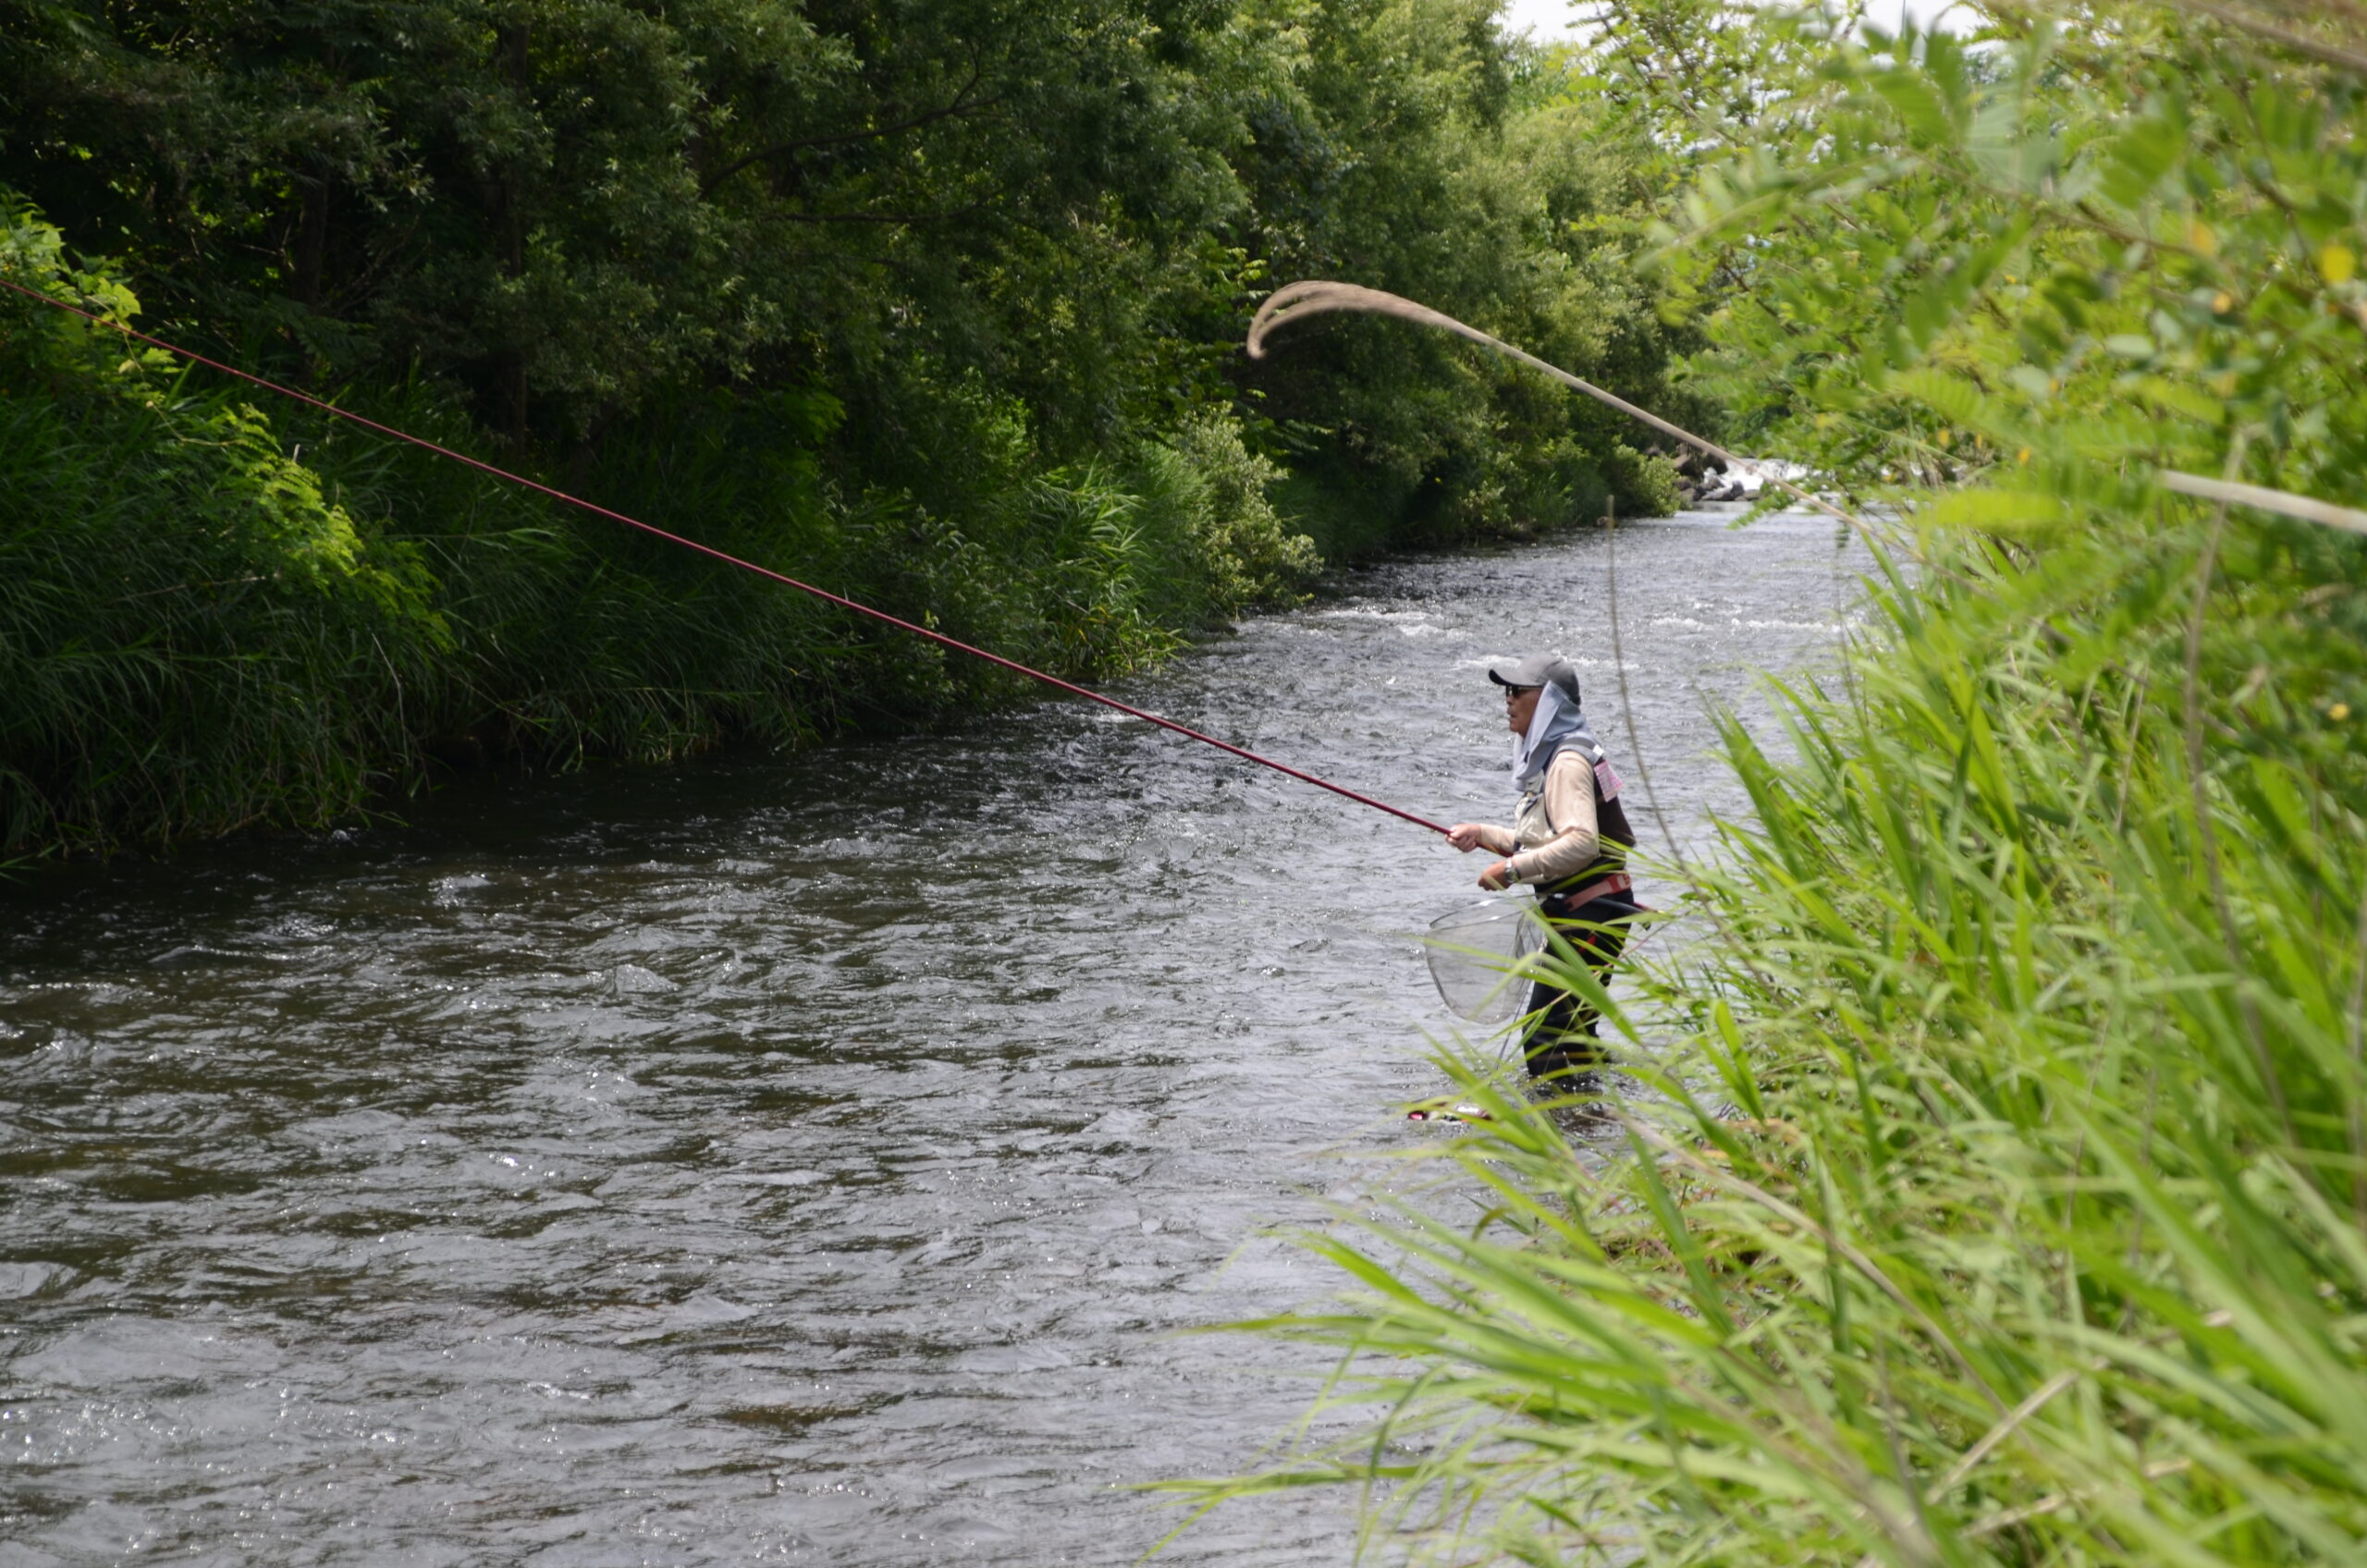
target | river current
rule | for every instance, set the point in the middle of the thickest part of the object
(811, 1158)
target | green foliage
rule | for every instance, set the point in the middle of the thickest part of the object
(1237, 543)
(2071, 245)
(2003, 1196)
(189, 630)
(940, 306)
(576, 211)
(1412, 152)
(202, 631)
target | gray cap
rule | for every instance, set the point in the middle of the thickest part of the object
(1537, 669)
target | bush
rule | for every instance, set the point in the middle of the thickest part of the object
(1643, 484)
(201, 632)
(192, 636)
(1237, 541)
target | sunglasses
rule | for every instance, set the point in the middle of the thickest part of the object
(1513, 693)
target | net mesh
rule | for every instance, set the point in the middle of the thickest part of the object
(1474, 952)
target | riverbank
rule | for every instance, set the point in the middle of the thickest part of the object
(218, 616)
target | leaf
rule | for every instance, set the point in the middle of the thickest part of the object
(1996, 511)
(2136, 159)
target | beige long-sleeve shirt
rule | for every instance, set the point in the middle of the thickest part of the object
(1554, 835)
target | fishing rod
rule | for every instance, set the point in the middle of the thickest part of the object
(841, 600)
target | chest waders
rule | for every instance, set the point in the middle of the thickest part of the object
(1590, 911)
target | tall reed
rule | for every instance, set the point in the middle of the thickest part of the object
(2001, 1193)
(2003, 1198)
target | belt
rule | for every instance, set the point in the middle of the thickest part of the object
(1602, 888)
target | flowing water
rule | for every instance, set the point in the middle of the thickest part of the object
(808, 1158)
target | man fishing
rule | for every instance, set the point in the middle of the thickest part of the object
(1569, 840)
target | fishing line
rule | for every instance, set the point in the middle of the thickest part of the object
(939, 638)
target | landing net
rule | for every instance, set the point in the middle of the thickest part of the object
(1475, 952)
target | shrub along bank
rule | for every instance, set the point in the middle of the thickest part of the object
(214, 619)
(2005, 1198)
(939, 308)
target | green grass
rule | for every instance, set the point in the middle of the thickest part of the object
(169, 653)
(2002, 1194)
(2004, 1199)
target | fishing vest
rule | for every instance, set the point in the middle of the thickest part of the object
(1533, 826)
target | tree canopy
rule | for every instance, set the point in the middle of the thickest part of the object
(573, 210)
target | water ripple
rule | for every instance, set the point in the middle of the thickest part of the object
(800, 1159)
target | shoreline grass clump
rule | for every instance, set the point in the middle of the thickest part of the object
(2004, 1196)
(2008, 1202)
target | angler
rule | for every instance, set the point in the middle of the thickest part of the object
(1569, 841)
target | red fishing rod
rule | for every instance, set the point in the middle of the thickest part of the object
(939, 638)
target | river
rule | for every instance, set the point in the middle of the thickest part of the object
(805, 1158)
